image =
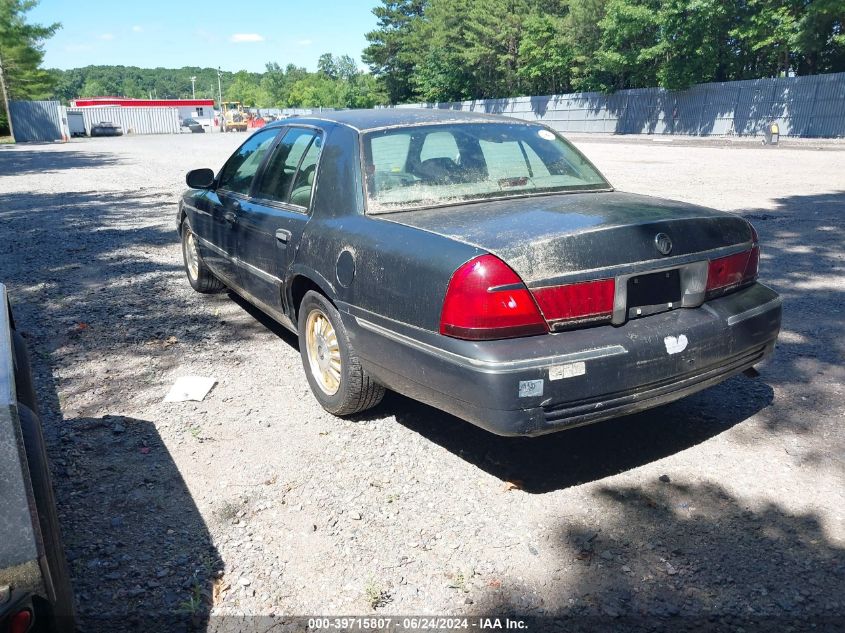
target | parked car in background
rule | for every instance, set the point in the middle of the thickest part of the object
(478, 264)
(192, 125)
(35, 592)
(106, 128)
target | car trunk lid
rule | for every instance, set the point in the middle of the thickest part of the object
(550, 238)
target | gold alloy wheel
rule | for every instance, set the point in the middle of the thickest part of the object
(192, 256)
(323, 352)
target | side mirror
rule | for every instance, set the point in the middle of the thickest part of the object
(200, 178)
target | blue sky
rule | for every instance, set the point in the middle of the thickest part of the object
(151, 33)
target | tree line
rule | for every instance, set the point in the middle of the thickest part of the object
(448, 50)
(337, 83)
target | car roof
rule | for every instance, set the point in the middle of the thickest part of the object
(363, 120)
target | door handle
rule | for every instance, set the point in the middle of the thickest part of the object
(283, 235)
(230, 218)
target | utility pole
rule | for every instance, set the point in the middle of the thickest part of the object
(220, 101)
(219, 91)
(193, 88)
(6, 99)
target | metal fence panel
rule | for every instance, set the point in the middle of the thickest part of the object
(811, 106)
(36, 121)
(133, 120)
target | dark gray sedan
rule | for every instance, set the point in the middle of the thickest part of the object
(192, 125)
(478, 264)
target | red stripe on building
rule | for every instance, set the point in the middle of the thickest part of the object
(148, 103)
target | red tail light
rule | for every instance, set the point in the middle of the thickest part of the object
(577, 303)
(487, 300)
(727, 273)
(19, 622)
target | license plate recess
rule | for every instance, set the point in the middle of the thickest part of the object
(653, 292)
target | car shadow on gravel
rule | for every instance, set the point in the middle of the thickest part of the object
(38, 162)
(266, 320)
(131, 528)
(589, 453)
(802, 254)
(681, 557)
(139, 553)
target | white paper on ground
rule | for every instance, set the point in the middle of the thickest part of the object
(190, 388)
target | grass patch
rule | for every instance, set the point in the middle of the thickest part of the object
(375, 595)
(228, 511)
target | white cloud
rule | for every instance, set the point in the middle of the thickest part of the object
(138, 28)
(246, 37)
(305, 42)
(107, 36)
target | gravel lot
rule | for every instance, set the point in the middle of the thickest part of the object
(727, 507)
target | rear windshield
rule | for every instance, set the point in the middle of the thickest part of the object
(435, 165)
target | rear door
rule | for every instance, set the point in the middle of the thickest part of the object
(271, 223)
(234, 182)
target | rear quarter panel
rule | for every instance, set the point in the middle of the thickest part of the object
(400, 273)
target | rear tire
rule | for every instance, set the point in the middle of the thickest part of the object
(199, 274)
(334, 373)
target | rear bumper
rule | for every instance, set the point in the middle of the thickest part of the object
(540, 384)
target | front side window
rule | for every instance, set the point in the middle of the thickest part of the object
(289, 175)
(238, 172)
(435, 165)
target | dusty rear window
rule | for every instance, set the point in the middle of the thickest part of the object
(435, 165)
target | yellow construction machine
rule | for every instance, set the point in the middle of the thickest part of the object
(233, 117)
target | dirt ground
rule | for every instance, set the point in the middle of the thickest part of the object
(727, 507)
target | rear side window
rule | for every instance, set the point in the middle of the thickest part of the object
(237, 174)
(289, 176)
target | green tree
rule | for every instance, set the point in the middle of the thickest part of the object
(21, 54)
(693, 42)
(246, 88)
(768, 29)
(820, 39)
(545, 55)
(92, 88)
(366, 92)
(315, 90)
(342, 67)
(629, 45)
(392, 54)
(442, 72)
(583, 30)
(326, 65)
(276, 84)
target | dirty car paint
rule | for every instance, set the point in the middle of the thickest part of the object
(388, 275)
